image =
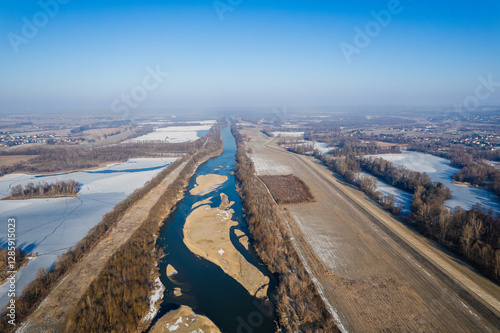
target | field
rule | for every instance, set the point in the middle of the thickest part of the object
(439, 170)
(288, 189)
(48, 227)
(375, 273)
(13, 159)
(173, 134)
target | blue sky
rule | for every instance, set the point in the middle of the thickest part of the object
(263, 53)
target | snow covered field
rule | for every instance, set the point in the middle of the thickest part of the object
(49, 227)
(440, 170)
(266, 166)
(287, 134)
(174, 134)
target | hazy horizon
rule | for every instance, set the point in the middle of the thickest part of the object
(88, 56)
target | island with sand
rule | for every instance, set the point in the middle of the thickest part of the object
(207, 234)
(184, 320)
(207, 183)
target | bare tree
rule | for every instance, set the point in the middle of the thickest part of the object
(467, 238)
(444, 224)
(477, 225)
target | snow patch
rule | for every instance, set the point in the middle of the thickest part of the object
(153, 300)
(173, 134)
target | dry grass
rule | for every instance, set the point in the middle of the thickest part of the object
(288, 189)
(100, 133)
(13, 159)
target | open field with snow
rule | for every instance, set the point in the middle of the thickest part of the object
(266, 166)
(287, 134)
(439, 170)
(174, 134)
(49, 227)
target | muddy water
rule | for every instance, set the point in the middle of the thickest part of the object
(205, 287)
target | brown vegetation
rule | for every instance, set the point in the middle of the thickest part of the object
(44, 190)
(74, 158)
(20, 257)
(34, 293)
(480, 174)
(299, 305)
(288, 189)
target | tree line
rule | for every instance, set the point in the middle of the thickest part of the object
(342, 145)
(480, 174)
(76, 158)
(299, 305)
(36, 291)
(45, 190)
(20, 257)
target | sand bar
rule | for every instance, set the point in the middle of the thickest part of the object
(207, 234)
(207, 182)
(184, 320)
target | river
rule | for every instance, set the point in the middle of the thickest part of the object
(205, 287)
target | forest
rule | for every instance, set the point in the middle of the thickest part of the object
(76, 158)
(341, 145)
(45, 190)
(299, 305)
(480, 174)
(34, 293)
(288, 189)
(445, 149)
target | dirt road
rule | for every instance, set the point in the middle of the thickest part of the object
(52, 313)
(376, 273)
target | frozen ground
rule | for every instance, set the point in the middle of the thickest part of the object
(440, 170)
(322, 147)
(400, 197)
(202, 122)
(287, 134)
(49, 227)
(174, 134)
(265, 166)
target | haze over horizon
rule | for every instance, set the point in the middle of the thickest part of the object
(85, 55)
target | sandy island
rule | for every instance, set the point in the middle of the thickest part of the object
(207, 182)
(242, 238)
(171, 270)
(207, 234)
(184, 320)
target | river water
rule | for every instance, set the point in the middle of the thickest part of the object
(205, 287)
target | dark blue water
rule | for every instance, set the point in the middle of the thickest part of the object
(205, 287)
(107, 171)
(130, 170)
